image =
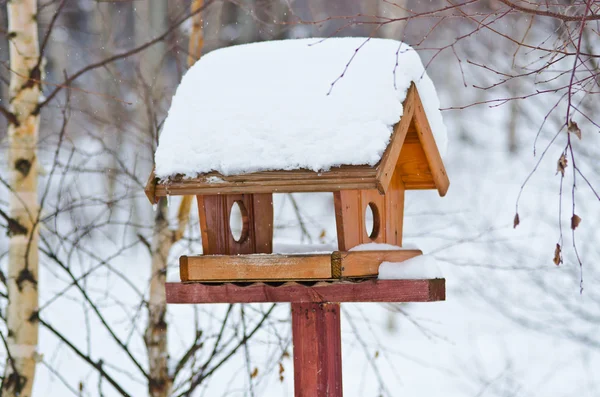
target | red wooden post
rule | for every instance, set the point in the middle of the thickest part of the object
(317, 349)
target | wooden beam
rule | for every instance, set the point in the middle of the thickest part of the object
(254, 267)
(317, 349)
(339, 178)
(434, 159)
(387, 165)
(322, 292)
(358, 264)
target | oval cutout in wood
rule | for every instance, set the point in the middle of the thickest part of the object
(238, 221)
(372, 221)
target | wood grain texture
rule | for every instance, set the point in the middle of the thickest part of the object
(336, 291)
(366, 263)
(340, 178)
(317, 349)
(387, 165)
(254, 267)
(350, 207)
(434, 159)
(349, 218)
(211, 268)
(215, 211)
(394, 211)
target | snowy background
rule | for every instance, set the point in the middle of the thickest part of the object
(513, 323)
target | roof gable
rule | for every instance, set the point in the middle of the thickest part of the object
(413, 151)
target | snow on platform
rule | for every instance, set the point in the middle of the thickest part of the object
(279, 105)
(420, 267)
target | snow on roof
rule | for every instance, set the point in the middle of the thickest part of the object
(272, 106)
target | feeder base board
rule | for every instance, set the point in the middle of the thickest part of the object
(277, 267)
(427, 290)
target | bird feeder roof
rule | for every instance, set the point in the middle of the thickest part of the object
(302, 115)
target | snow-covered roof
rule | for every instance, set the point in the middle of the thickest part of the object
(282, 105)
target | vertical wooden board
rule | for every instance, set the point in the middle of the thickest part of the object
(394, 211)
(245, 246)
(348, 218)
(263, 223)
(214, 224)
(373, 196)
(317, 349)
(434, 159)
(385, 169)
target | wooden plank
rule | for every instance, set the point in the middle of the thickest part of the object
(387, 165)
(434, 159)
(339, 178)
(288, 267)
(214, 224)
(183, 188)
(348, 218)
(215, 211)
(336, 291)
(150, 189)
(262, 209)
(254, 267)
(366, 263)
(316, 335)
(394, 211)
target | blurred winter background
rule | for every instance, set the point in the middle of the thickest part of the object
(513, 324)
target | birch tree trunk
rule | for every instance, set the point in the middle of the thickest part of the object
(24, 94)
(156, 331)
(162, 241)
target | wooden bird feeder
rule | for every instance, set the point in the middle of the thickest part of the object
(234, 270)
(411, 161)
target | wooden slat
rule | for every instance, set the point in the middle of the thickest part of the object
(349, 218)
(317, 349)
(254, 267)
(387, 165)
(394, 211)
(211, 268)
(366, 263)
(279, 186)
(434, 159)
(339, 178)
(214, 224)
(262, 211)
(337, 291)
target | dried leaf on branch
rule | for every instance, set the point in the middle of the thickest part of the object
(562, 164)
(575, 221)
(573, 128)
(557, 255)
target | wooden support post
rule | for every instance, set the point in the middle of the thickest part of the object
(317, 349)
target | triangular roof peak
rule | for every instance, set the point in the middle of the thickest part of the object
(412, 153)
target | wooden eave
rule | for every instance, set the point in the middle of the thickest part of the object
(412, 152)
(339, 178)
